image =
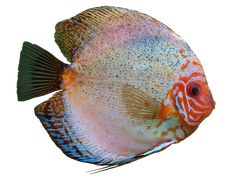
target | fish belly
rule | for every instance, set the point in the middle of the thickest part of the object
(104, 125)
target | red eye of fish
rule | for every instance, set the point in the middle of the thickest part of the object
(193, 89)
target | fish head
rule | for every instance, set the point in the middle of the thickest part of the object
(191, 96)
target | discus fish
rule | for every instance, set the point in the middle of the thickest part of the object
(133, 87)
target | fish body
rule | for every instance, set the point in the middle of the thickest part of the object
(133, 88)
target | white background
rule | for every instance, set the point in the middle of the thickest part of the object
(28, 157)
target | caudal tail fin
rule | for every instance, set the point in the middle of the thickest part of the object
(39, 72)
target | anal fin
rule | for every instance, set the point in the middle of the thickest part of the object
(57, 118)
(134, 158)
(52, 114)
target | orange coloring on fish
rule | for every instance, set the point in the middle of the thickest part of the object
(69, 78)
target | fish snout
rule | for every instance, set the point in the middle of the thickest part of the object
(209, 101)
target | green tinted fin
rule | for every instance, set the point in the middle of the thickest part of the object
(39, 72)
(72, 34)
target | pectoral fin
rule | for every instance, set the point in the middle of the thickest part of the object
(140, 104)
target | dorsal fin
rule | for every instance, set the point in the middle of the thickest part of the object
(72, 34)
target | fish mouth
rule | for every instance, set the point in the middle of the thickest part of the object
(211, 103)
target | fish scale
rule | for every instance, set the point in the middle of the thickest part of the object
(133, 87)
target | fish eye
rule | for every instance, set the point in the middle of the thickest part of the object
(193, 89)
